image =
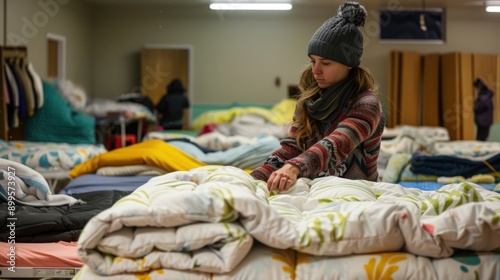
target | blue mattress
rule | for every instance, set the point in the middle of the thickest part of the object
(432, 186)
(94, 182)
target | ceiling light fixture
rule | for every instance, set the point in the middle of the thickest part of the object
(493, 9)
(251, 6)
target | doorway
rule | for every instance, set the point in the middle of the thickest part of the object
(160, 64)
(56, 55)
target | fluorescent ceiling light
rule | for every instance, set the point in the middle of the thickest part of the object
(250, 6)
(493, 9)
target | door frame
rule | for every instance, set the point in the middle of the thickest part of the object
(61, 54)
(189, 48)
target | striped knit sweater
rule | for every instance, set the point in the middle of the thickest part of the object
(347, 148)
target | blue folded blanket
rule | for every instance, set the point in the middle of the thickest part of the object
(248, 156)
(449, 166)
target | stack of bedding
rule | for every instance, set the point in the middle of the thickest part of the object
(217, 222)
(39, 229)
(416, 159)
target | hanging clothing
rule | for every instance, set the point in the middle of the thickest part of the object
(23, 90)
(26, 94)
(13, 108)
(36, 81)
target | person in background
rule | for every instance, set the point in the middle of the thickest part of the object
(171, 107)
(338, 121)
(483, 109)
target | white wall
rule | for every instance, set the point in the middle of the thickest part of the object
(29, 21)
(238, 55)
(1, 22)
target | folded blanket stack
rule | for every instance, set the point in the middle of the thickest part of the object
(207, 221)
(24, 185)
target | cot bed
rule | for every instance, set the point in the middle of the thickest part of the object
(40, 224)
(446, 162)
(38, 229)
(170, 156)
(42, 244)
(407, 139)
(96, 182)
(216, 222)
(54, 260)
(434, 133)
(245, 119)
(52, 160)
(425, 158)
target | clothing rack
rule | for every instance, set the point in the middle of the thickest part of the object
(6, 132)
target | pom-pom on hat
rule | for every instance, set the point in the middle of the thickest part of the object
(339, 38)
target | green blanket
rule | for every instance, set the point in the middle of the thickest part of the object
(58, 122)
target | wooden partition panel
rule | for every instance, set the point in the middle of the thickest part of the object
(457, 95)
(410, 88)
(450, 95)
(414, 89)
(436, 89)
(430, 90)
(467, 97)
(393, 96)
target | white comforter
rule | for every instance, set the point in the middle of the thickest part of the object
(207, 221)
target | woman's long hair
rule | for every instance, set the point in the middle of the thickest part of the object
(309, 88)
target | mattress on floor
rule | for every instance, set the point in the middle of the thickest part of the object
(94, 182)
(432, 186)
(55, 223)
(47, 156)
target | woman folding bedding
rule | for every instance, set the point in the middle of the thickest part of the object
(216, 222)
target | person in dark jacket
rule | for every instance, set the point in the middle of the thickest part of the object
(171, 106)
(483, 109)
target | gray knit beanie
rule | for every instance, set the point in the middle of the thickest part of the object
(339, 38)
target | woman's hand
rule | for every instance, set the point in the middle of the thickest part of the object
(283, 178)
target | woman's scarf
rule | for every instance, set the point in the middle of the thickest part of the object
(331, 102)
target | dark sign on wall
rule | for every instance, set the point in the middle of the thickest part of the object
(412, 25)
